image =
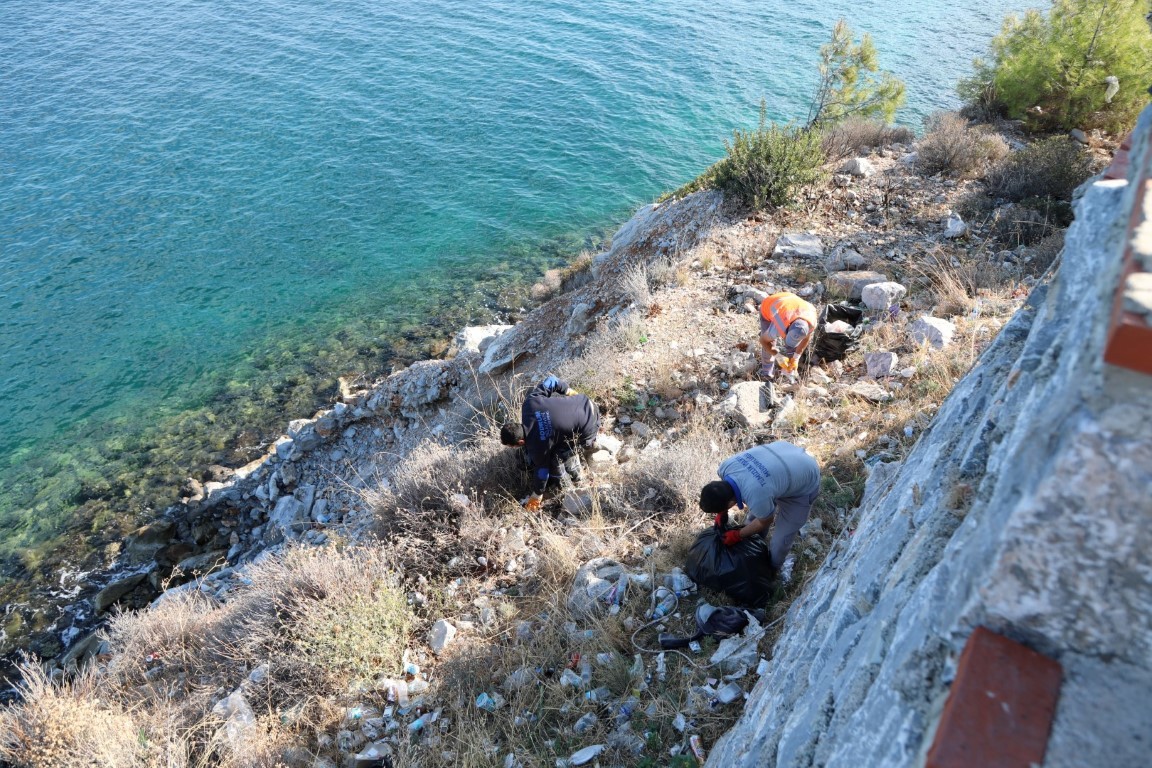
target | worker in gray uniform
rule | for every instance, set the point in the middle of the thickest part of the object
(777, 482)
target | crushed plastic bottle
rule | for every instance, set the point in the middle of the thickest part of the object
(598, 694)
(585, 723)
(568, 677)
(661, 668)
(585, 672)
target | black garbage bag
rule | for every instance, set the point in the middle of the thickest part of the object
(743, 572)
(831, 345)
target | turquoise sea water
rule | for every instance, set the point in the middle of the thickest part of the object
(189, 186)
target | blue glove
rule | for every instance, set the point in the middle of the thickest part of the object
(550, 384)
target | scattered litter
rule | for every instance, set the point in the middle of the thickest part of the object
(729, 693)
(586, 755)
(762, 668)
(697, 747)
(585, 723)
(489, 702)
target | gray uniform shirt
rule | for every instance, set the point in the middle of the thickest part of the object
(770, 472)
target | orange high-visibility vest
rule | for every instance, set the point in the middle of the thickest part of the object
(783, 309)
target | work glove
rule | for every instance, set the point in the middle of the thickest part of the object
(732, 538)
(721, 520)
(532, 503)
(788, 365)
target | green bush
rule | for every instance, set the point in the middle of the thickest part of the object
(851, 82)
(764, 167)
(1050, 168)
(954, 147)
(1086, 64)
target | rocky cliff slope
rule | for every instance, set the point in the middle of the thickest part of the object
(1024, 508)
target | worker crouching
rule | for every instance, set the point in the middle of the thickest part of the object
(556, 426)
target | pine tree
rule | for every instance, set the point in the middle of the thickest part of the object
(1086, 64)
(851, 84)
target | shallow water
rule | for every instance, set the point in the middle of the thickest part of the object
(200, 198)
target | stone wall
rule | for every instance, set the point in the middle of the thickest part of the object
(1026, 508)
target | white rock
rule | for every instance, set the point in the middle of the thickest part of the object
(851, 284)
(602, 457)
(881, 296)
(859, 166)
(441, 636)
(933, 330)
(870, 391)
(476, 338)
(955, 227)
(804, 245)
(748, 404)
(609, 443)
(641, 430)
(880, 364)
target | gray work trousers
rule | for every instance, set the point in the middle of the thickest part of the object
(791, 514)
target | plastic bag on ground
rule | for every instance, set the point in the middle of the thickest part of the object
(743, 572)
(741, 650)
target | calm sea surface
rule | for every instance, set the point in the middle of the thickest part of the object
(195, 193)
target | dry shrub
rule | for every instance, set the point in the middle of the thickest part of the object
(1030, 221)
(955, 283)
(1051, 167)
(564, 279)
(635, 286)
(434, 473)
(321, 619)
(598, 372)
(69, 725)
(954, 147)
(856, 136)
(669, 480)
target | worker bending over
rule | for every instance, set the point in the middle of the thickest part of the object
(553, 426)
(778, 481)
(786, 326)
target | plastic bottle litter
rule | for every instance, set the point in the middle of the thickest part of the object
(599, 694)
(586, 722)
(663, 602)
(411, 669)
(416, 725)
(694, 647)
(586, 755)
(680, 583)
(489, 702)
(416, 687)
(661, 667)
(568, 677)
(625, 710)
(636, 671)
(606, 659)
(585, 672)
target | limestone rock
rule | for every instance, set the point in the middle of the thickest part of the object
(203, 564)
(858, 166)
(426, 382)
(870, 390)
(147, 540)
(851, 284)
(108, 596)
(660, 230)
(955, 227)
(477, 338)
(881, 296)
(845, 259)
(880, 364)
(441, 636)
(799, 245)
(609, 443)
(581, 320)
(932, 330)
(748, 404)
(504, 351)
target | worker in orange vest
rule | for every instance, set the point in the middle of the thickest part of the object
(786, 326)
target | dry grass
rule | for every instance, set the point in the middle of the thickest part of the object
(954, 147)
(856, 136)
(70, 725)
(564, 279)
